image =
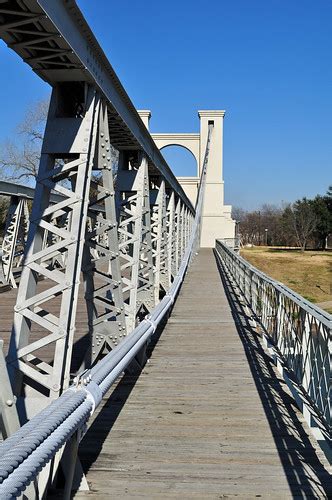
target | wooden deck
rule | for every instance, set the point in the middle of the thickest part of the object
(208, 417)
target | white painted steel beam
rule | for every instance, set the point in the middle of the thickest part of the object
(70, 54)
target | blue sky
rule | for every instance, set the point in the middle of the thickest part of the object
(267, 63)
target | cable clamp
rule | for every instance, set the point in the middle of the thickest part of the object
(94, 394)
(152, 323)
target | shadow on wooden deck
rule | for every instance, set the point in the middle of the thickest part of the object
(299, 457)
(103, 423)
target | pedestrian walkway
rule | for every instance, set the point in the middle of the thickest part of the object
(208, 417)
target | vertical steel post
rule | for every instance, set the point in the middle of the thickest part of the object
(177, 246)
(9, 422)
(135, 238)
(170, 239)
(159, 241)
(182, 232)
(102, 268)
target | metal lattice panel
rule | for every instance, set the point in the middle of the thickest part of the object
(16, 228)
(300, 331)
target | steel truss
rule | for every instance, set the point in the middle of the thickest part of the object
(146, 242)
(45, 312)
(16, 228)
(124, 242)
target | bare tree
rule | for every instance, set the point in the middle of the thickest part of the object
(238, 213)
(19, 158)
(302, 218)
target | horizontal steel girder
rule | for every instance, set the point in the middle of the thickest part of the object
(55, 40)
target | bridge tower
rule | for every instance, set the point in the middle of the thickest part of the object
(217, 221)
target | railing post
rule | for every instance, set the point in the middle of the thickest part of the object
(182, 232)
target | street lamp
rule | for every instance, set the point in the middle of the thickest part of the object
(266, 230)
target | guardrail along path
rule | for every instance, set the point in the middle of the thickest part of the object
(208, 417)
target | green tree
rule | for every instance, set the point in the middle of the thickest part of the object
(322, 206)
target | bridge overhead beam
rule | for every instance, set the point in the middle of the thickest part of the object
(13, 189)
(56, 41)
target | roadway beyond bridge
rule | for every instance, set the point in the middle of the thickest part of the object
(208, 417)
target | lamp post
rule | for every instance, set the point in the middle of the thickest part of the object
(237, 236)
(266, 230)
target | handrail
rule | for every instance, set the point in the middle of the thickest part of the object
(300, 331)
(27, 451)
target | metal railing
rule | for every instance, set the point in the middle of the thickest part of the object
(300, 331)
(233, 243)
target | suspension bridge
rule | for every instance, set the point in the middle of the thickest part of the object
(141, 356)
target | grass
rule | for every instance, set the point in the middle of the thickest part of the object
(307, 273)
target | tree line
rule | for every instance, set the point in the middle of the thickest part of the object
(304, 223)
